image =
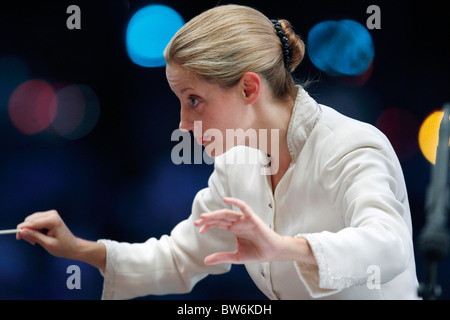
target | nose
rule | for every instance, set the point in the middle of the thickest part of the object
(186, 123)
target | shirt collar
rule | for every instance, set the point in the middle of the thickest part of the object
(305, 114)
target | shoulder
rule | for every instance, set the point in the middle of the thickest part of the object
(341, 131)
(338, 138)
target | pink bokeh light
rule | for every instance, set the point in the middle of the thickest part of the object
(32, 106)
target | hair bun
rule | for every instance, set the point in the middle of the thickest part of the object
(297, 46)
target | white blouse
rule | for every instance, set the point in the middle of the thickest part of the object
(344, 192)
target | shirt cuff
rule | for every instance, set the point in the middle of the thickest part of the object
(315, 276)
(108, 276)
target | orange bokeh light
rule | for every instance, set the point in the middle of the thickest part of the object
(429, 135)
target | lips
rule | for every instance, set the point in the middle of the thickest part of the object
(201, 140)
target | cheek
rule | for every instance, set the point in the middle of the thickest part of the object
(228, 117)
(214, 121)
(223, 114)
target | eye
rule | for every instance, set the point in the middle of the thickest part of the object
(193, 101)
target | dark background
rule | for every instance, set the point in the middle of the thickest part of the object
(119, 182)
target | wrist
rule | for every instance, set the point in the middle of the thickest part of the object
(296, 249)
(91, 252)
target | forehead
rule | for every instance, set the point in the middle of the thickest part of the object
(180, 79)
(179, 76)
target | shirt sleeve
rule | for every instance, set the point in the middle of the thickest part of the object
(174, 263)
(364, 183)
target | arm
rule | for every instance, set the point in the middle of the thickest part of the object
(363, 183)
(171, 264)
(50, 231)
(296, 249)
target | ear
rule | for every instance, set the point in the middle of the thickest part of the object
(250, 86)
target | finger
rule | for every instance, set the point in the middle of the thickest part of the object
(201, 222)
(34, 236)
(223, 214)
(23, 226)
(36, 215)
(44, 220)
(222, 257)
(204, 227)
(245, 209)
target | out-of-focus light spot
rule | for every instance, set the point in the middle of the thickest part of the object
(429, 135)
(70, 112)
(401, 127)
(31, 107)
(78, 111)
(340, 48)
(13, 72)
(148, 33)
(356, 81)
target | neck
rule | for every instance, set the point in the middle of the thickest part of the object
(273, 123)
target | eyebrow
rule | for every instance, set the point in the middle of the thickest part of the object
(185, 89)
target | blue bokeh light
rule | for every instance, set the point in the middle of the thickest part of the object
(148, 33)
(341, 48)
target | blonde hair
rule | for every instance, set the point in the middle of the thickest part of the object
(225, 42)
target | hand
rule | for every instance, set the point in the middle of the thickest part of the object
(256, 242)
(49, 230)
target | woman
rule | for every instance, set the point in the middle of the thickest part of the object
(329, 219)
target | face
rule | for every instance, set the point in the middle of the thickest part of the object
(208, 109)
